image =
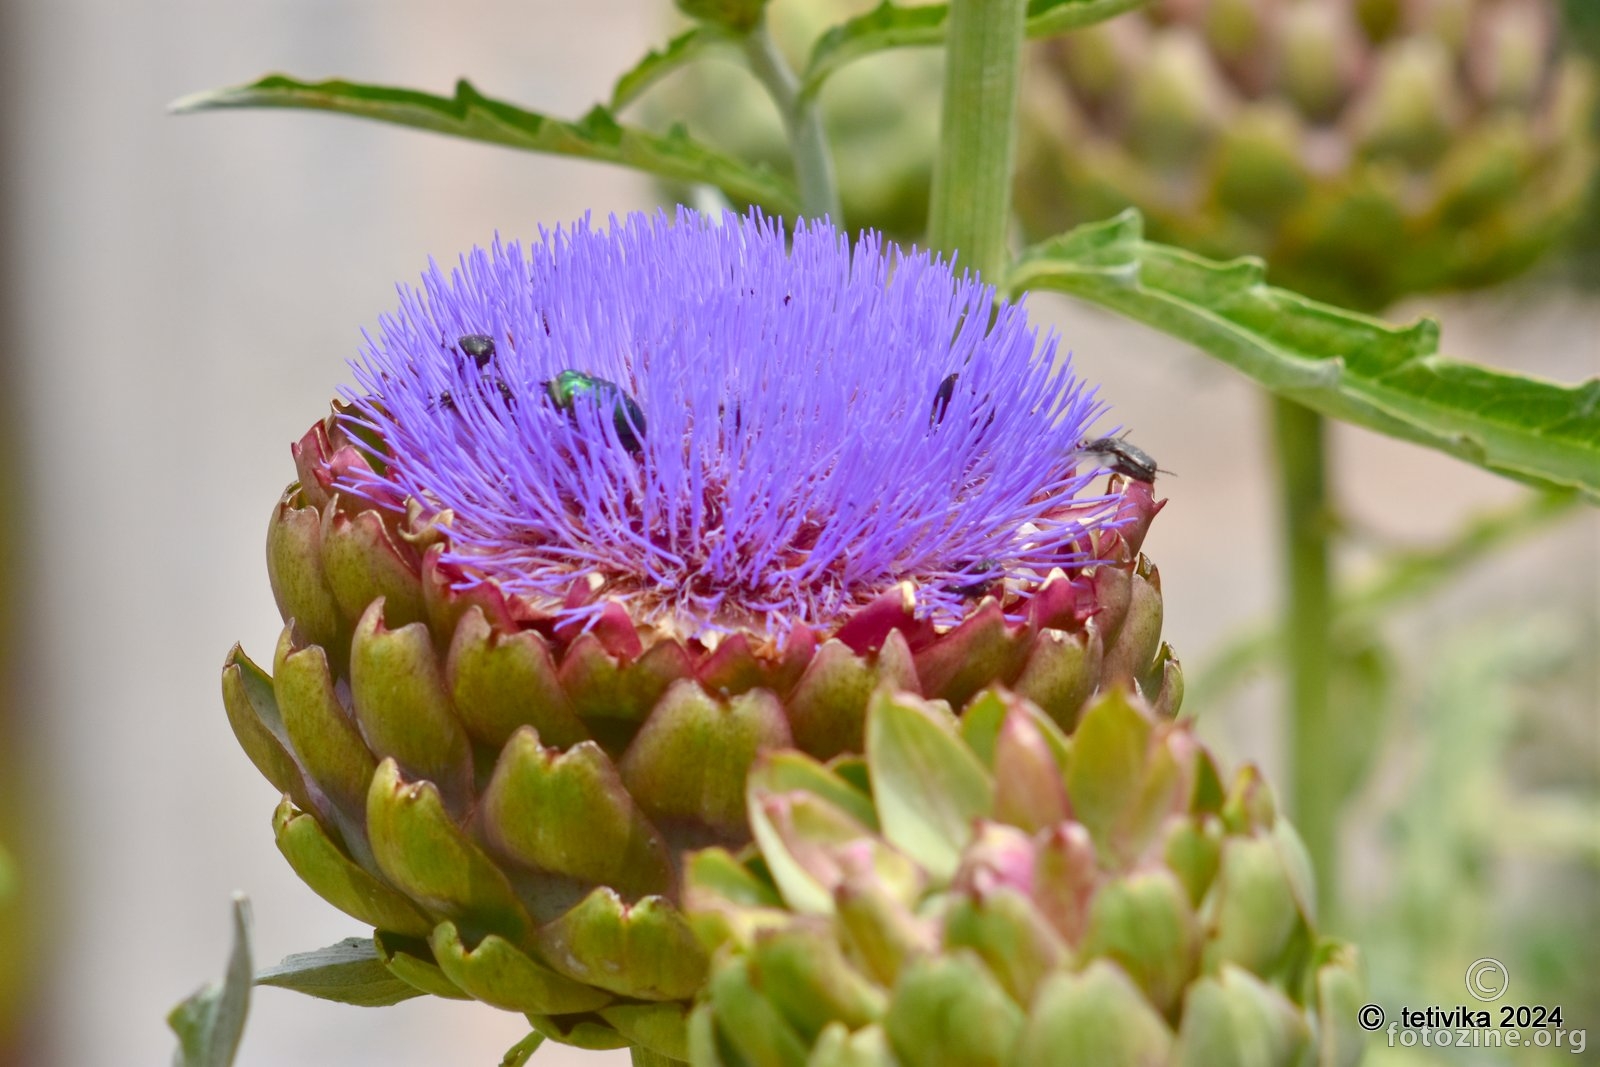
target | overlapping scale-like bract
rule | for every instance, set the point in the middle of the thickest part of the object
(991, 890)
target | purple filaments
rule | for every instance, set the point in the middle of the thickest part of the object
(792, 463)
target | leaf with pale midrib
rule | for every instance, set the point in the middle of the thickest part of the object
(1346, 366)
(350, 972)
(471, 115)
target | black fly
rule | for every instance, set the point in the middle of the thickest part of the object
(1123, 458)
(978, 585)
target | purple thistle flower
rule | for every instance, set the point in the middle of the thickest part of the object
(762, 431)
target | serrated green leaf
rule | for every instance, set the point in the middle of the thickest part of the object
(350, 972)
(210, 1023)
(891, 25)
(1344, 365)
(471, 115)
(658, 63)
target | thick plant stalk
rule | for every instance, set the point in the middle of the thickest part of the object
(971, 207)
(643, 1057)
(1314, 781)
(802, 121)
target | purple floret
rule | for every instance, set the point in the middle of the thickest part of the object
(796, 457)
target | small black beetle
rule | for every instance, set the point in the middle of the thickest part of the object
(479, 346)
(941, 399)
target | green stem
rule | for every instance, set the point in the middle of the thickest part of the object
(971, 207)
(643, 1057)
(802, 119)
(1312, 730)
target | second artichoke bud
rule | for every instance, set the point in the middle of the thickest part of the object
(990, 891)
(1367, 149)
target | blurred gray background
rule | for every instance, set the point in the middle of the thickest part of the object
(180, 297)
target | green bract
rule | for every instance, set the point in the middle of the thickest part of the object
(1367, 150)
(508, 803)
(990, 889)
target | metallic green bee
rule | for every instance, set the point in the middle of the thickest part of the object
(566, 387)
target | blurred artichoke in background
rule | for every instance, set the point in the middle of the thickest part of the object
(610, 517)
(1367, 149)
(989, 890)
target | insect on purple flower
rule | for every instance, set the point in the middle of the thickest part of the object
(831, 486)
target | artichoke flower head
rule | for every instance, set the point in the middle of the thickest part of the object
(605, 518)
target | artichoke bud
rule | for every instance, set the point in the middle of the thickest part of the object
(1311, 132)
(1064, 944)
